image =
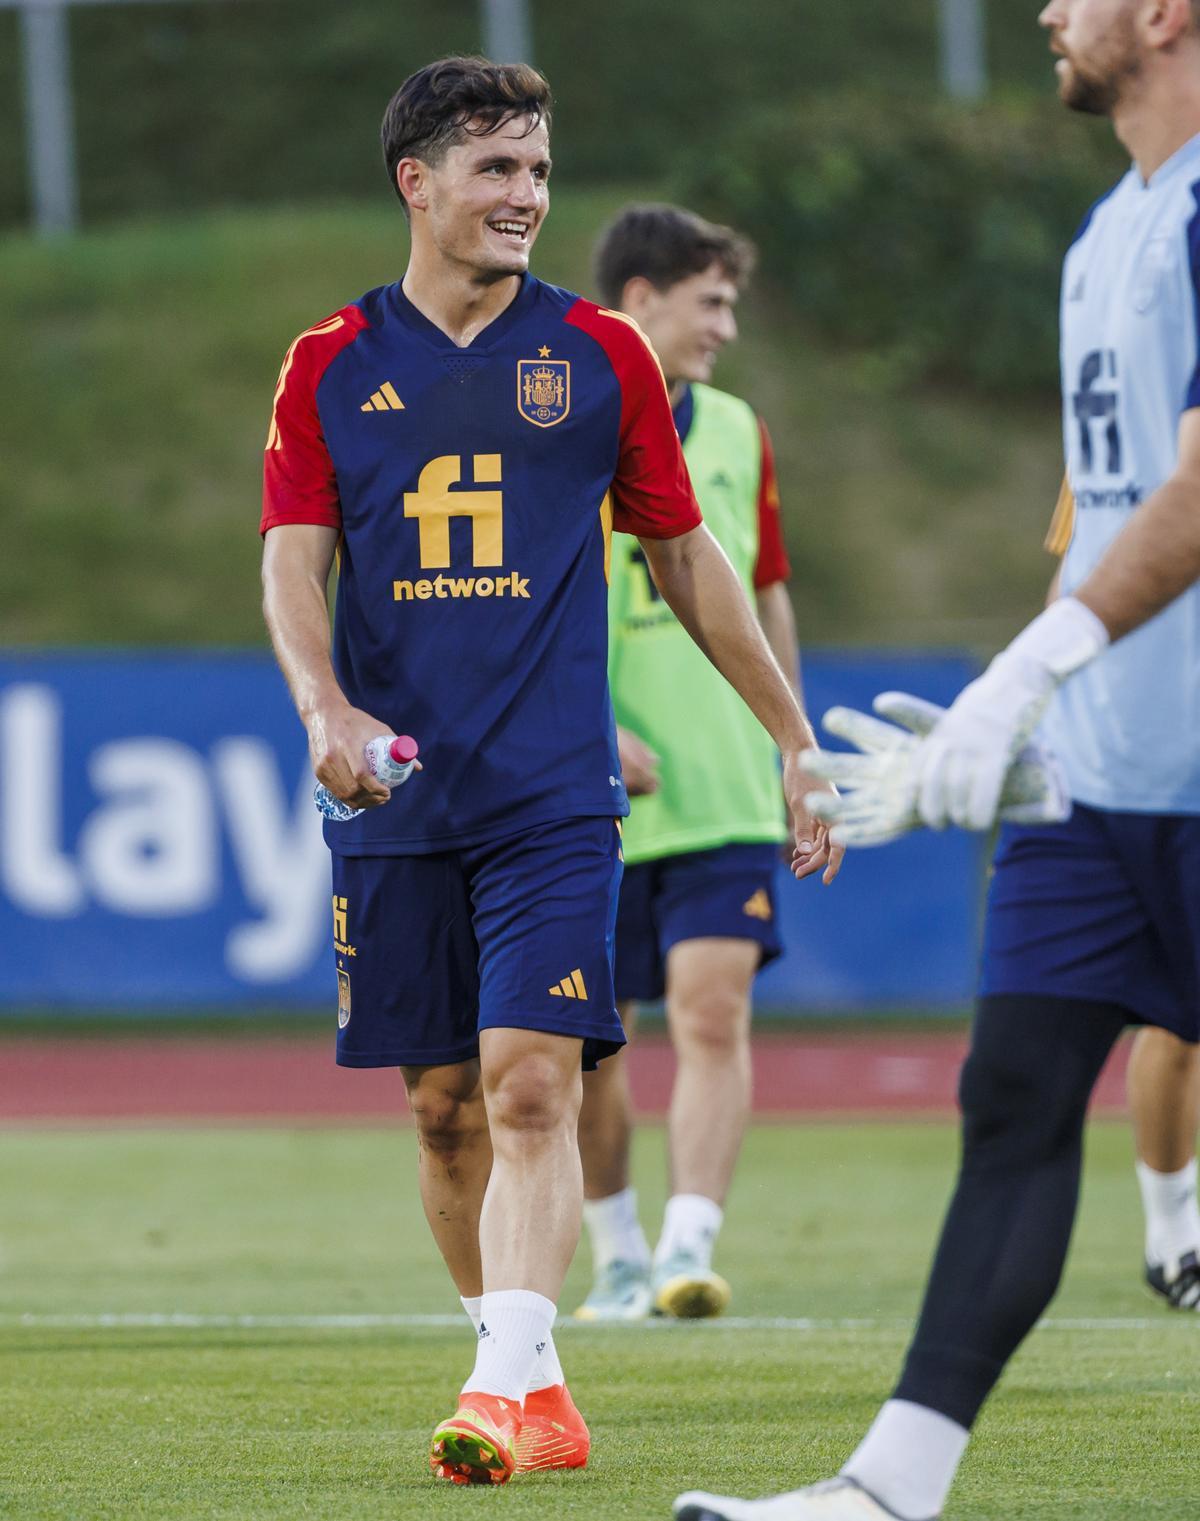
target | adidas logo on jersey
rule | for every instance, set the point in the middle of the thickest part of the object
(383, 400)
(570, 987)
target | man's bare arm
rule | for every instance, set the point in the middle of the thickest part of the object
(779, 625)
(702, 590)
(1156, 557)
(297, 558)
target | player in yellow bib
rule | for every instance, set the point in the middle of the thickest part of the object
(697, 912)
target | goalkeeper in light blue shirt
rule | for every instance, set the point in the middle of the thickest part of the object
(1093, 918)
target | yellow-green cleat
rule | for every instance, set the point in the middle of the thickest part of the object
(686, 1288)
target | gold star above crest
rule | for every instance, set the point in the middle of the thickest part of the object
(543, 352)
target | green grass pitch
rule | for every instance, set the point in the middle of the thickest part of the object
(282, 1415)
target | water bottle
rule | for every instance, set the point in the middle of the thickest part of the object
(390, 758)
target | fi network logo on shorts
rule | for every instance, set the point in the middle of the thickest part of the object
(441, 496)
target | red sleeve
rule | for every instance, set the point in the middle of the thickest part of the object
(772, 564)
(652, 492)
(299, 484)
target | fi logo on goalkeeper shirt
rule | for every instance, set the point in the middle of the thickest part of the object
(440, 497)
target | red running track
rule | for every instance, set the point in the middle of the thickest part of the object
(281, 1080)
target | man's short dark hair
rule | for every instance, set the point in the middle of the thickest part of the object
(666, 244)
(446, 102)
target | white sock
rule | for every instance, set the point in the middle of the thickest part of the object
(613, 1229)
(909, 1458)
(1172, 1213)
(514, 1329)
(548, 1372)
(690, 1224)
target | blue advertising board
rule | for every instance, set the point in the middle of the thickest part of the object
(159, 847)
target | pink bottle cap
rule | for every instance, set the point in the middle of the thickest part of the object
(403, 749)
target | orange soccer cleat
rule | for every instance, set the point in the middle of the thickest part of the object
(478, 1444)
(553, 1433)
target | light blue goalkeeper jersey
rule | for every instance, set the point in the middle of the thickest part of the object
(1127, 727)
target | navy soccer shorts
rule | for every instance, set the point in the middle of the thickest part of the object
(1105, 908)
(726, 893)
(514, 933)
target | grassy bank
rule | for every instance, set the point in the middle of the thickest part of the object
(138, 364)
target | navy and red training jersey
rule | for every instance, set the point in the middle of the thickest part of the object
(475, 490)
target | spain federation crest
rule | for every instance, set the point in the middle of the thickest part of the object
(543, 390)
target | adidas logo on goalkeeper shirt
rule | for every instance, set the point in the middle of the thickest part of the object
(570, 987)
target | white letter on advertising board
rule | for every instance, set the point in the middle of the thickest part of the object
(37, 876)
(151, 848)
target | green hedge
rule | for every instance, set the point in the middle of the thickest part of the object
(225, 102)
(928, 237)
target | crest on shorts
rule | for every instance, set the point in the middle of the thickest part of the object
(343, 998)
(543, 390)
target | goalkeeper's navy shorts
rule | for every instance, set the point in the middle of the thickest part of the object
(514, 933)
(1105, 907)
(727, 893)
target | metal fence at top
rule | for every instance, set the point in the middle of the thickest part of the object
(506, 33)
(50, 117)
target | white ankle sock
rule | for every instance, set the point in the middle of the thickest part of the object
(548, 1371)
(909, 1458)
(691, 1223)
(613, 1229)
(1172, 1213)
(514, 1330)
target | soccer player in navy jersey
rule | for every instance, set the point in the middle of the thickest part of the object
(465, 440)
(1093, 919)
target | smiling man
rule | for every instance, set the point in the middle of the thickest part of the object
(467, 439)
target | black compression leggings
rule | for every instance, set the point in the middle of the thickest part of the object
(1024, 1092)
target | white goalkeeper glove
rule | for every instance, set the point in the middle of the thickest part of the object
(878, 799)
(963, 762)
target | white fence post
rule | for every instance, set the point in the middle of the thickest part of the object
(46, 49)
(963, 49)
(507, 34)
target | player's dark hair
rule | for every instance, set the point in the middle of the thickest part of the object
(442, 104)
(666, 244)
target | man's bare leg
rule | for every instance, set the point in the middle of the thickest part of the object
(708, 1013)
(529, 1223)
(620, 1251)
(606, 1119)
(454, 1162)
(1163, 1088)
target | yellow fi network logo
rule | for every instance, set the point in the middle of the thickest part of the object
(433, 504)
